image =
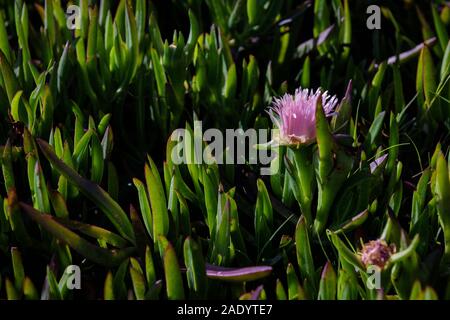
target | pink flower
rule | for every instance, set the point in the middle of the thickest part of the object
(295, 115)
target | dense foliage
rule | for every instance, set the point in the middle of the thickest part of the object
(88, 180)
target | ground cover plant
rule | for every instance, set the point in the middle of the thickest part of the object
(354, 204)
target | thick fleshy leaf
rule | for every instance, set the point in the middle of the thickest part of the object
(158, 202)
(238, 274)
(111, 208)
(195, 268)
(85, 248)
(328, 283)
(295, 290)
(304, 255)
(425, 79)
(174, 281)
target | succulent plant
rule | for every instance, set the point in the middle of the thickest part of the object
(89, 183)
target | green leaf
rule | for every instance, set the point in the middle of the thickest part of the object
(419, 197)
(120, 289)
(81, 148)
(347, 282)
(306, 73)
(58, 143)
(83, 247)
(11, 293)
(324, 163)
(54, 293)
(49, 23)
(7, 168)
(107, 143)
(15, 218)
(160, 75)
(193, 33)
(321, 17)
(406, 253)
(97, 164)
(393, 143)
(41, 196)
(195, 268)
(137, 279)
(324, 143)
(19, 273)
(245, 274)
(108, 288)
(174, 281)
(295, 290)
(222, 241)
(18, 108)
(304, 255)
(101, 234)
(374, 130)
(263, 215)
(399, 99)
(279, 291)
(103, 124)
(145, 206)
(353, 222)
(252, 11)
(304, 179)
(445, 66)
(63, 67)
(211, 195)
(4, 44)
(84, 6)
(374, 91)
(430, 294)
(141, 14)
(149, 267)
(345, 252)
(425, 79)
(158, 202)
(219, 13)
(328, 283)
(91, 190)
(29, 290)
(9, 79)
(341, 120)
(440, 27)
(229, 91)
(155, 35)
(346, 32)
(442, 194)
